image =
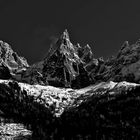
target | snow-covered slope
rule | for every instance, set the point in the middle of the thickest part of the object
(49, 109)
(65, 97)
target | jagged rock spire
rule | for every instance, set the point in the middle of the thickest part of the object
(59, 45)
(63, 64)
(65, 35)
(88, 49)
(78, 45)
(125, 44)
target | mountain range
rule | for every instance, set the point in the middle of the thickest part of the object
(70, 94)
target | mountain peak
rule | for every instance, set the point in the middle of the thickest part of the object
(63, 64)
(63, 46)
(65, 35)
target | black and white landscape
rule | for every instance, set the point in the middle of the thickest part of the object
(70, 94)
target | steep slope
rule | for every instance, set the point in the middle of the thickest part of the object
(33, 75)
(125, 66)
(10, 62)
(129, 57)
(68, 65)
(63, 66)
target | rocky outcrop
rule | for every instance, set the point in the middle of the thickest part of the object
(122, 67)
(68, 65)
(63, 67)
(33, 75)
(10, 62)
(85, 53)
(9, 130)
(129, 58)
(17, 68)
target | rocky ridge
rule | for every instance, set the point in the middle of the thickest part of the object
(122, 67)
(10, 62)
(66, 65)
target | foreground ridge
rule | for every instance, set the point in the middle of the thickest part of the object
(84, 113)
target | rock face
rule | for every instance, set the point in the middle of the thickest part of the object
(129, 57)
(10, 62)
(33, 75)
(122, 67)
(63, 66)
(68, 65)
(14, 131)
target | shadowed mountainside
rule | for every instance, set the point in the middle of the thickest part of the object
(10, 62)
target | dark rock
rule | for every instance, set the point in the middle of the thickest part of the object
(122, 67)
(33, 75)
(85, 54)
(63, 67)
(104, 116)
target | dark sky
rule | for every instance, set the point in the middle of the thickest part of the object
(29, 25)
